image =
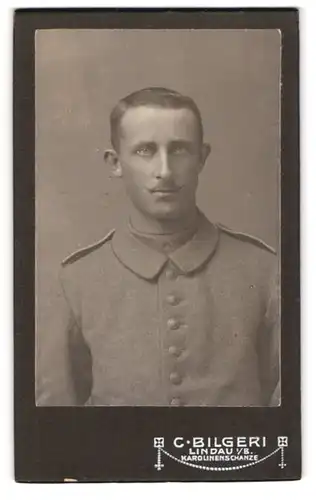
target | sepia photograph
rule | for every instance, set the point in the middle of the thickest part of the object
(157, 245)
(158, 225)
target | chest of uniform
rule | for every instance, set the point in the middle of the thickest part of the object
(125, 314)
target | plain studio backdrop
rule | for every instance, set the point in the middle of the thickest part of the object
(234, 77)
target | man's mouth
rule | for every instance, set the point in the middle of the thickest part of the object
(166, 190)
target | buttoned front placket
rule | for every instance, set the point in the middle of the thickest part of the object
(173, 331)
(171, 270)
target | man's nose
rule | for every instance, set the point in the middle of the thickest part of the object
(163, 170)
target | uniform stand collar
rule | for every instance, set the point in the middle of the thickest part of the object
(141, 254)
(165, 243)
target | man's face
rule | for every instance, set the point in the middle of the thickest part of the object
(160, 157)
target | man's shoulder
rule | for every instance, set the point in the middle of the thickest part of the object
(249, 254)
(88, 250)
(244, 240)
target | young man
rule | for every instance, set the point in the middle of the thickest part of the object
(169, 309)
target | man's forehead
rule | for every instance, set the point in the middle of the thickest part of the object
(148, 120)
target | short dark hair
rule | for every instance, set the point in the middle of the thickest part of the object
(151, 96)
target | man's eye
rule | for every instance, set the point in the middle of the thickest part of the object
(180, 150)
(144, 151)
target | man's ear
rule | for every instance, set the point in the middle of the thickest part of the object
(112, 161)
(205, 151)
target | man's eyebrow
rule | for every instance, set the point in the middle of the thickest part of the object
(182, 143)
(144, 143)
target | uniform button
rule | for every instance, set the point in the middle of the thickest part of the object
(174, 351)
(175, 378)
(172, 300)
(171, 274)
(173, 324)
(175, 402)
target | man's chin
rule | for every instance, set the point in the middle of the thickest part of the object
(167, 213)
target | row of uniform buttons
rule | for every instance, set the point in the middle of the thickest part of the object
(174, 324)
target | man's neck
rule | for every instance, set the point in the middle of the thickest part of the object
(148, 225)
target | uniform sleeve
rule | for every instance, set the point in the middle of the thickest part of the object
(63, 363)
(269, 345)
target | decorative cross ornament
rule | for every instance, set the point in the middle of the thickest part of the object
(159, 442)
(283, 442)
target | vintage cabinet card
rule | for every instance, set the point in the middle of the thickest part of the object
(156, 177)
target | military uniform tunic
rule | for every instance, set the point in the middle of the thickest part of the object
(192, 326)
